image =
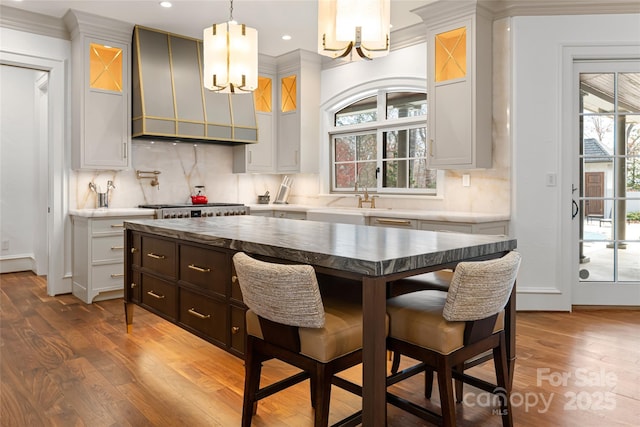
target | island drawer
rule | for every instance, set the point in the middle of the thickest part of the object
(206, 315)
(205, 268)
(159, 295)
(159, 255)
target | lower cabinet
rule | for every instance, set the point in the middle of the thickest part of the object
(188, 284)
(493, 227)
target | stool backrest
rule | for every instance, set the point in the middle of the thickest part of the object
(481, 289)
(282, 293)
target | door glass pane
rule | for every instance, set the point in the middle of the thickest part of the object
(610, 177)
(451, 54)
(105, 67)
(262, 95)
(629, 258)
(596, 91)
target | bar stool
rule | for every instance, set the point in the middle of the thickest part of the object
(288, 320)
(443, 330)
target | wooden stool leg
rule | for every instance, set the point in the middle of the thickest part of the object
(445, 386)
(458, 383)
(395, 364)
(253, 368)
(428, 383)
(502, 377)
(322, 394)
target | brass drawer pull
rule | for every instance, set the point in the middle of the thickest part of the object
(393, 221)
(114, 275)
(134, 250)
(117, 248)
(235, 330)
(153, 294)
(117, 225)
(154, 256)
(193, 312)
(200, 269)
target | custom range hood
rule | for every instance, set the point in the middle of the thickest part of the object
(170, 102)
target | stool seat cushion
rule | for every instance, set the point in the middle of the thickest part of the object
(341, 334)
(417, 318)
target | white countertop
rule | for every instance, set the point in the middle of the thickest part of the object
(109, 212)
(447, 216)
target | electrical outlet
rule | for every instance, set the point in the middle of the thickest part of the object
(5, 245)
(466, 180)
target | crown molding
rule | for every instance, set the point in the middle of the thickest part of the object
(87, 23)
(30, 22)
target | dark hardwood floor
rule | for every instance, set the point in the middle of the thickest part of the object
(65, 363)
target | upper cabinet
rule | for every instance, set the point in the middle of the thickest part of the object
(298, 112)
(100, 91)
(459, 63)
(260, 157)
(169, 98)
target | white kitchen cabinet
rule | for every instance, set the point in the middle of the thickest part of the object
(98, 257)
(261, 213)
(100, 91)
(492, 227)
(260, 157)
(298, 112)
(459, 64)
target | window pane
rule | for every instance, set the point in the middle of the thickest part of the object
(345, 175)
(420, 176)
(596, 92)
(406, 104)
(367, 147)
(363, 111)
(367, 175)
(599, 268)
(390, 173)
(629, 260)
(345, 148)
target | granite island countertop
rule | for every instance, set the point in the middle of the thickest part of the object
(354, 248)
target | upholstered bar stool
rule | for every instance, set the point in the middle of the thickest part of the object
(288, 320)
(443, 330)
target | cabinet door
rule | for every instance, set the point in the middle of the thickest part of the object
(288, 148)
(106, 121)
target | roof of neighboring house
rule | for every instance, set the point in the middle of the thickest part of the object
(594, 152)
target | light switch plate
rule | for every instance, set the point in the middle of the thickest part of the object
(550, 179)
(466, 180)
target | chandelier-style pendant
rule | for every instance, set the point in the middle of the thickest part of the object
(230, 57)
(362, 26)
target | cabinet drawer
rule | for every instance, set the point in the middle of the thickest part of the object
(158, 295)
(203, 314)
(205, 268)
(102, 226)
(446, 226)
(159, 255)
(290, 215)
(107, 277)
(393, 222)
(237, 329)
(107, 248)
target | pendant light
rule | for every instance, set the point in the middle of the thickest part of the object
(345, 26)
(230, 57)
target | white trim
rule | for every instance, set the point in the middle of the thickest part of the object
(19, 262)
(534, 290)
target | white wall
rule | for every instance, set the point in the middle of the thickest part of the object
(18, 168)
(541, 214)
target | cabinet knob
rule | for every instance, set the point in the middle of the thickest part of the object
(134, 250)
(235, 330)
(133, 285)
(234, 279)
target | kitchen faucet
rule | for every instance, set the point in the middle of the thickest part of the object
(366, 199)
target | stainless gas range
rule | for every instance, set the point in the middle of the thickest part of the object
(197, 211)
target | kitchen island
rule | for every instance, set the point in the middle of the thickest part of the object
(374, 256)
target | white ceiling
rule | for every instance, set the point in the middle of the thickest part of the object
(272, 18)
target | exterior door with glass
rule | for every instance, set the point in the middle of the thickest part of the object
(607, 206)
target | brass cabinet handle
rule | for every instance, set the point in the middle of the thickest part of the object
(134, 250)
(393, 221)
(153, 294)
(116, 248)
(234, 279)
(114, 275)
(117, 225)
(193, 312)
(235, 330)
(200, 269)
(133, 285)
(154, 256)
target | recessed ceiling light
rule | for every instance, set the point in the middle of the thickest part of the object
(165, 4)
(286, 37)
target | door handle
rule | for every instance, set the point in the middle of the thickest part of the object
(576, 209)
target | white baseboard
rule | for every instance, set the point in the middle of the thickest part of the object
(15, 263)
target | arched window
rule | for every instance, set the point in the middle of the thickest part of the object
(379, 142)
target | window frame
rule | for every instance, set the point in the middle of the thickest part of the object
(381, 125)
